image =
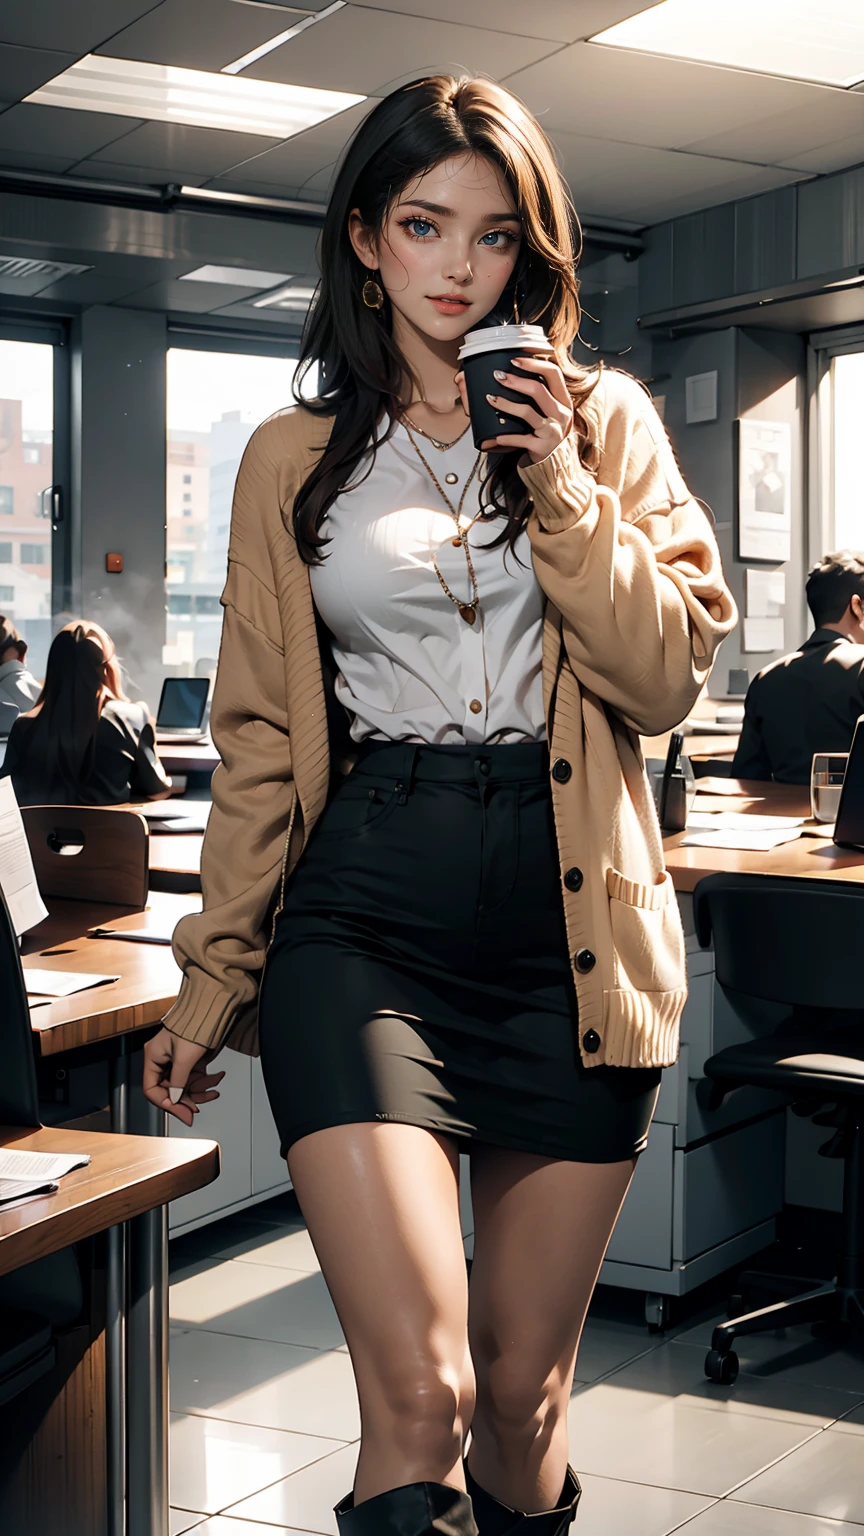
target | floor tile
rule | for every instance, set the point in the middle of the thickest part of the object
(284, 1247)
(259, 1301)
(732, 1519)
(183, 1520)
(677, 1371)
(604, 1346)
(638, 1437)
(223, 1526)
(249, 1381)
(823, 1477)
(306, 1500)
(214, 1463)
(611, 1508)
(790, 1354)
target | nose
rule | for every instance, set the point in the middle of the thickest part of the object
(459, 270)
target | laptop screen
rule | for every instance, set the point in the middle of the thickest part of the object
(183, 702)
(849, 826)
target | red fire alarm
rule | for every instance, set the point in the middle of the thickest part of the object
(113, 563)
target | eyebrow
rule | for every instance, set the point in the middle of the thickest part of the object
(448, 213)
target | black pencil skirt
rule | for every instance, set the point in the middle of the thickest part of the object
(419, 969)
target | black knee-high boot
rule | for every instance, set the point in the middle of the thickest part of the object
(418, 1509)
(497, 1519)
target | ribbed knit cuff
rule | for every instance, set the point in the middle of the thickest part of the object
(561, 487)
(204, 1010)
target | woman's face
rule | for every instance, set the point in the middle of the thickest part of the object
(448, 246)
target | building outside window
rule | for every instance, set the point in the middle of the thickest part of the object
(5, 553)
(26, 470)
(848, 401)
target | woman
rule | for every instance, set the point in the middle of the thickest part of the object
(84, 742)
(18, 687)
(472, 942)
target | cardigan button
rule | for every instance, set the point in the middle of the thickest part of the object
(591, 1041)
(585, 960)
(561, 770)
(574, 879)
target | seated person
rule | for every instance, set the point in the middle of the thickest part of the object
(809, 702)
(18, 686)
(84, 742)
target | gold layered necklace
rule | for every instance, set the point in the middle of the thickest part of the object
(467, 611)
(436, 443)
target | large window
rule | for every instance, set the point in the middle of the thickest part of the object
(215, 402)
(848, 484)
(26, 476)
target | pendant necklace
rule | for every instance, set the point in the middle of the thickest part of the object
(467, 611)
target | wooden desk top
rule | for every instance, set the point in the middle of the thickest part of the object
(187, 756)
(808, 858)
(176, 853)
(126, 1176)
(149, 977)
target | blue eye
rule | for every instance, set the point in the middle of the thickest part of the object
(494, 239)
(420, 227)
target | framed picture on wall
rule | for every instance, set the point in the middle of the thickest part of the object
(764, 490)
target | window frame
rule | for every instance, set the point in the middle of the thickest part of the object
(823, 347)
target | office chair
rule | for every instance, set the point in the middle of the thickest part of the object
(8, 715)
(90, 853)
(53, 1284)
(792, 949)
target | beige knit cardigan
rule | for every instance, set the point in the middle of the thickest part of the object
(636, 607)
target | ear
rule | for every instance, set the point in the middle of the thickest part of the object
(362, 240)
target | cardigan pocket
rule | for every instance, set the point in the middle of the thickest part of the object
(647, 936)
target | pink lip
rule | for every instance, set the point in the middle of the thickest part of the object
(449, 304)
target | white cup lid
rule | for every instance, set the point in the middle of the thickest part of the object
(492, 338)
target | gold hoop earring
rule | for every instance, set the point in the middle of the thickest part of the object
(372, 294)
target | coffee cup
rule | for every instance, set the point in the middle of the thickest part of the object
(482, 352)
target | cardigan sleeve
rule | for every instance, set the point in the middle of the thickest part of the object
(221, 949)
(631, 564)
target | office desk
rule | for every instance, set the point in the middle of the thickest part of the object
(84, 1426)
(149, 977)
(175, 861)
(187, 757)
(807, 858)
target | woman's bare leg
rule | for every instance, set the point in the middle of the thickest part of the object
(541, 1228)
(381, 1202)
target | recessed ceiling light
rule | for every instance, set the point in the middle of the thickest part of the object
(281, 37)
(164, 94)
(238, 277)
(285, 298)
(801, 41)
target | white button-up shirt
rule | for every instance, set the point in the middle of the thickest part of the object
(409, 667)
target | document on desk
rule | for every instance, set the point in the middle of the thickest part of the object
(17, 876)
(16, 1191)
(133, 935)
(44, 983)
(19, 1164)
(756, 842)
(739, 821)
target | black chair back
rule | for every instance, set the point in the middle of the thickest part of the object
(797, 943)
(19, 1098)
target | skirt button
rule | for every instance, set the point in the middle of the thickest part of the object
(591, 1041)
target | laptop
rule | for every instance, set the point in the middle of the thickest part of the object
(849, 826)
(182, 707)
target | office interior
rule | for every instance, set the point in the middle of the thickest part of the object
(155, 275)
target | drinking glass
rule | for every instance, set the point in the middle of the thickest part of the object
(826, 782)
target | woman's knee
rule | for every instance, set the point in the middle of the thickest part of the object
(517, 1405)
(429, 1406)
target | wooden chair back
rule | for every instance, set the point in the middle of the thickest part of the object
(90, 853)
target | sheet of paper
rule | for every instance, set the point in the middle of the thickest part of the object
(764, 635)
(167, 810)
(16, 1191)
(766, 594)
(16, 1164)
(739, 821)
(17, 876)
(134, 935)
(44, 983)
(758, 842)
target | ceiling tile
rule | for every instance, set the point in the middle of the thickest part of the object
(305, 153)
(143, 175)
(828, 117)
(23, 70)
(366, 50)
(54, 131)
(291, 319)
(196, 298)
(180, 148)
(633, 181)
(557, 20)
(196, 34)
(21, 160)
(644, 99)
(249, 188)
(77, 28)
(837, 156)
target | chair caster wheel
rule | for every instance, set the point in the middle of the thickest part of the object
(721, 1368)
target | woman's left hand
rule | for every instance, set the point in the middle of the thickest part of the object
(548, 410)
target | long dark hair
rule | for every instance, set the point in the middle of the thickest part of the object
(81, 673)
(361, 372)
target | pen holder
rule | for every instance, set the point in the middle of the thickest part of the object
(674, 812)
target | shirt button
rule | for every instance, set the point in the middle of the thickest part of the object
(484, 768)
(451, 478)
(475, 707)
(585, 960)
(573, 879)
(591, 1041)
(561, 770)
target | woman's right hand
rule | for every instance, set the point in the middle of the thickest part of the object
(172, 1062)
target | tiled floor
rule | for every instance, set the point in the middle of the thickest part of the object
(265, 1419)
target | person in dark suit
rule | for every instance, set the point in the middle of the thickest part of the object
(83, 742)
(809, 701)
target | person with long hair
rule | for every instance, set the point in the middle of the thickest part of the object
(83, 742)
(432, 818)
